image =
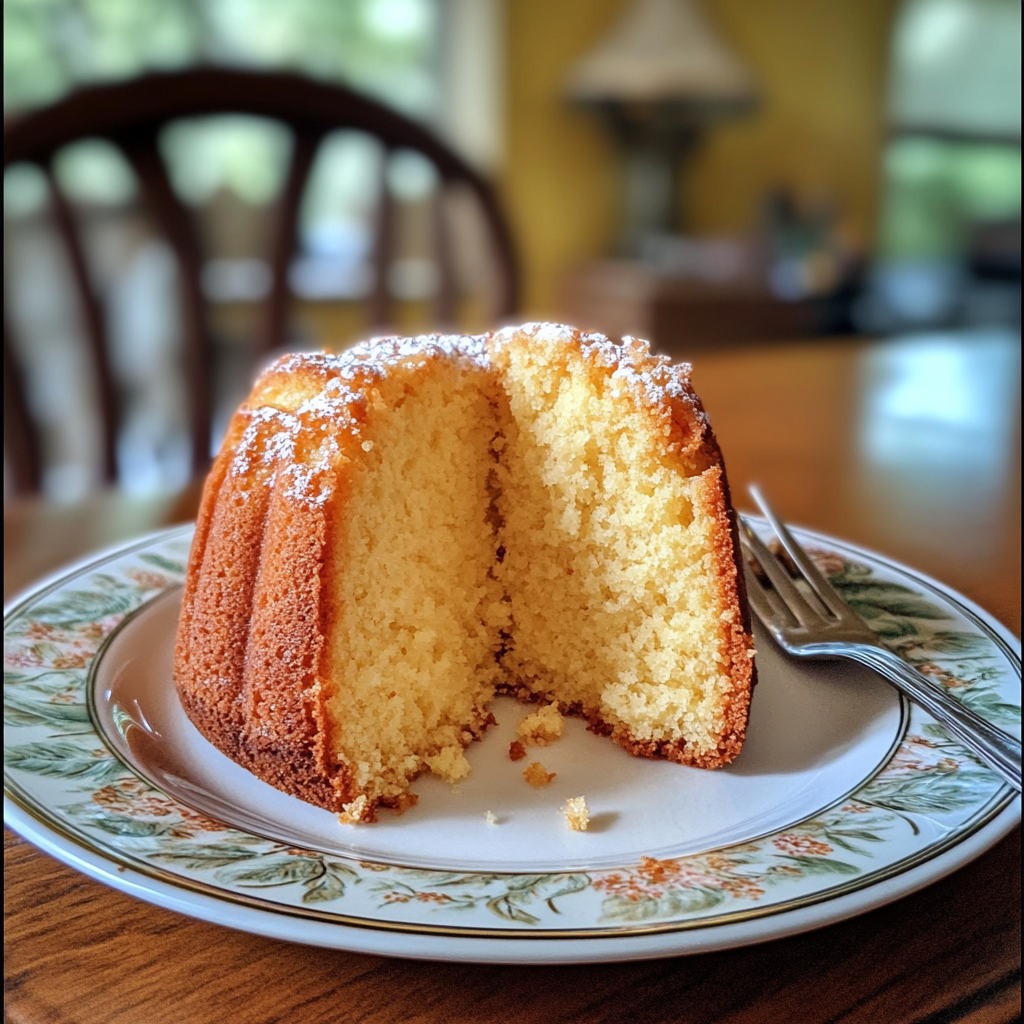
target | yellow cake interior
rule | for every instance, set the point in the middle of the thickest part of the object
(411, 655)
(608, 567)
(524, 529)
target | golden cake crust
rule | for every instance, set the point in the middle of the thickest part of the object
(249, 638)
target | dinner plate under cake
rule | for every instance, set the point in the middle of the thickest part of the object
(845, 796)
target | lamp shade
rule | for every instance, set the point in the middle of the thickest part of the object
(662, 51)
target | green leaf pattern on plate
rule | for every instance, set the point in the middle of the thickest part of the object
(50, 642)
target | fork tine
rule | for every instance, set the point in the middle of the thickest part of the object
(802, 560)
(784, 586)
(758, 599)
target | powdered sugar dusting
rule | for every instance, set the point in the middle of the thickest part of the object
(257, 445)
(379, 354)
(310, 481)
(652, 379)
(306, 444)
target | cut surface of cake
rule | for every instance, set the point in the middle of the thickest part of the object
(390, 536)
(620, 564)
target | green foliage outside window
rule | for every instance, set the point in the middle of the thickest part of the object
(936, 189)
(385, 48)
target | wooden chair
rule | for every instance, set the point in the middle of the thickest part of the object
(131, 115)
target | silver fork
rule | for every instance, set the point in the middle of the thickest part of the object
(817, 623)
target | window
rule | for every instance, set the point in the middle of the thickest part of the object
(951, 169)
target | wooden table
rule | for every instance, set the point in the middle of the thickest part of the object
(910, 449)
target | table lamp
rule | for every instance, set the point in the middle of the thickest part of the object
(660, 79)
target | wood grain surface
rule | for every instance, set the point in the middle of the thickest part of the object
(809, 423)
(113, 959)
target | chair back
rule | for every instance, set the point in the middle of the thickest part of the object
(131, 115)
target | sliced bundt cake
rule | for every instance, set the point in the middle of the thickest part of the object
(390, 535)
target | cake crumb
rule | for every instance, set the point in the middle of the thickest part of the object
(577, 815)
(543, 727)
(516, 751)
(352, 813)
(450, 763)
(491, 818)
(404, 802)
(537, 775)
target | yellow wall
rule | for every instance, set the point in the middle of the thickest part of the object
(820, 65)
(560, 174)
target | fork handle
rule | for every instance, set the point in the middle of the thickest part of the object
(997, 749)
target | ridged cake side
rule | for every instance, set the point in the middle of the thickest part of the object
(284, 659)
(249, 638)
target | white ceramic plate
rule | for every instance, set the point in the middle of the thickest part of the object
(844, 797)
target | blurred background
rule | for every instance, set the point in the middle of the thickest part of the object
(712, 175)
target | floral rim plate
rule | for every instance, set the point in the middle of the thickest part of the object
(918, 807)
